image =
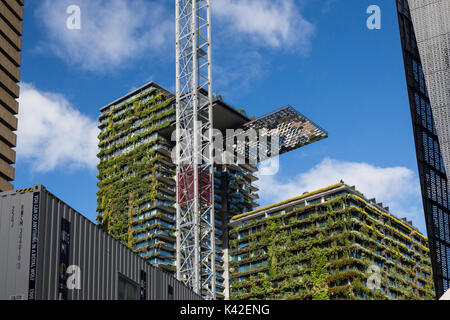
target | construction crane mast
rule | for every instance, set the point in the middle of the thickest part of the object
(195, 226)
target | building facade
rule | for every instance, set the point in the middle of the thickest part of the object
(51, 252)
(136, 196)
(11, 16)
(424, 34)
(136, 187)
(431, 22)
(332, 243)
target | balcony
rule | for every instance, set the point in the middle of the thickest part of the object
(166, 178)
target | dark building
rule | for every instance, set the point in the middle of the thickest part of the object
(422, 54)
(11, 16)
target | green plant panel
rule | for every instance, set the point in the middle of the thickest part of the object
(322, 251)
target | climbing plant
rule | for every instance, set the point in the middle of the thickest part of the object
(323, 251)
(129, 163)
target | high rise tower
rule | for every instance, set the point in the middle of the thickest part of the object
(424, 29)
(137, 185)
(137, 201)
(11, 16)
(431, 21)
(137, 178)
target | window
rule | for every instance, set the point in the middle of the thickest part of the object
(128, 289)
(170, 292)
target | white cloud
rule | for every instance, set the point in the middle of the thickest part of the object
(113, 32)
(53, 134)
(273, 23)
(396, 187)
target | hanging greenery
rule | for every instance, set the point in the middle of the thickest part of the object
(128, 167)
(323, 251)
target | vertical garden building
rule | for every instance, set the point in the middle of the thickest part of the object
(136, 196)
(332, 243)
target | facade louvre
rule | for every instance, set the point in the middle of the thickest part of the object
(11, 28)
(136, 195)
(327, 244)
(428, 102)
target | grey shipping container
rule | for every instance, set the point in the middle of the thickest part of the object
(48, 251)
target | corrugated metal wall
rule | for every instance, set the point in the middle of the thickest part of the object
(99, 257)
(15, 240)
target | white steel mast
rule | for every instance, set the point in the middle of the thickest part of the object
(195, 226)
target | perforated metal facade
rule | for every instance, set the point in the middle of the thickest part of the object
(428, 121)
(431, 21)
(291, 129)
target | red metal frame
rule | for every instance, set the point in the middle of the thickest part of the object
(186, 186)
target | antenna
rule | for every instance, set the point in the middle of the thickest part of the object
(195, 225)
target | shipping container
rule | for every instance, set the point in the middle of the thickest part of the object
(48, 251)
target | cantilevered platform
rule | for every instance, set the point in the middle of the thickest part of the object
(293, 129)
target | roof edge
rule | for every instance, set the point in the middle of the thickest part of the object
(134, 92)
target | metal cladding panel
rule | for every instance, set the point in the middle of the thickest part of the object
(66, 238)
(291, 129)
(15, 242)
(433, 179)
(431, 20)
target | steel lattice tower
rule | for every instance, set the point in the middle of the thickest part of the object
(195, 260)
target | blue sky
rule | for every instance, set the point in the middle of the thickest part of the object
(316, 55)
